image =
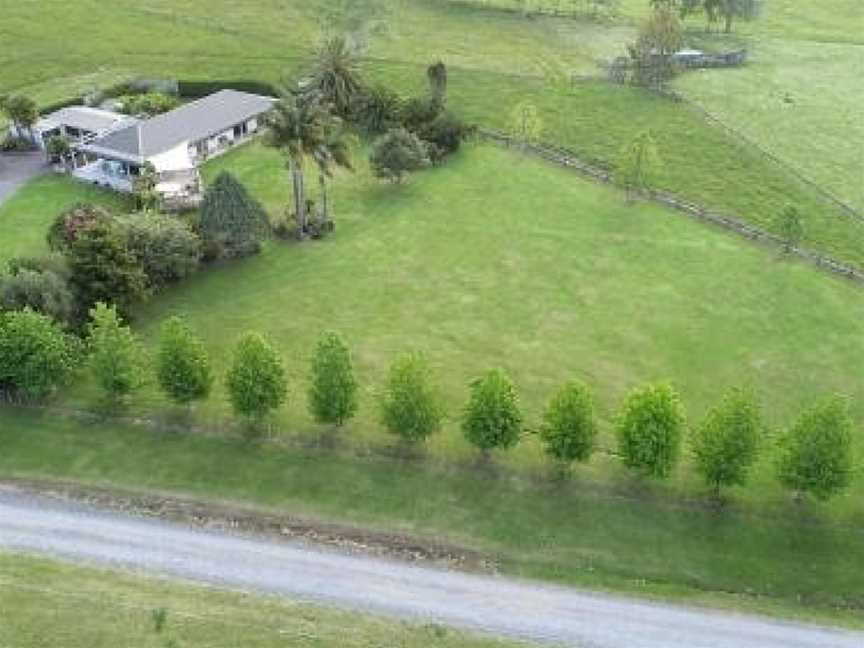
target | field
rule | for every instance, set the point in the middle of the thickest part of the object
(42, 603)
(496, 259)
(497, 59)
(499, 260)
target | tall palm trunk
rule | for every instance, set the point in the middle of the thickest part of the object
(325, 207)
(299, 196)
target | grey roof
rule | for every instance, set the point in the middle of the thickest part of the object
(84, 118)
(189, 123)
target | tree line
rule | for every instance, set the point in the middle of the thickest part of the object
(814, 455)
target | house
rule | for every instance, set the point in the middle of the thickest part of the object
(76, 123)
(175, 143)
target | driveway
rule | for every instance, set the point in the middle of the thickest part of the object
(17, 169)
(507, 607)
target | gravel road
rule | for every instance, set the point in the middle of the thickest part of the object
(500, 606)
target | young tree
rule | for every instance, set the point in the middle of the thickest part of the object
(36, 356)
(727, 442)
(333, 389)
(58, 149)
(397, 153)
(790, 228)
(650, 427)
(144, 188)
(183, 366)
(816, 452)
(569, 427)
(492, 418)
(660, 37)
(525, 123)
(117, 359)
(256, 380)
(638, 165)
(410, 406)
(22, 112)
(233, 223)
(437, 77)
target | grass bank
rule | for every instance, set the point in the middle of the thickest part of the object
(42, 603)
(627, 538)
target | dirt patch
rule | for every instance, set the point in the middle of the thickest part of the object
(235, 518)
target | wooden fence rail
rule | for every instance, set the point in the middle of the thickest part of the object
(568, 159)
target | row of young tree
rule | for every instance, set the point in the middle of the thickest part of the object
(814, 455)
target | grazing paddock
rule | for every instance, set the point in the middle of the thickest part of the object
(497, 59)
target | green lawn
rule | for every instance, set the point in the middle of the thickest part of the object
(27, 215)
(43, 603)
(498, 59)
(497, 259)
(795, 561)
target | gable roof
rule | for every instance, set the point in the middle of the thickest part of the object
(84, 118)
(189, 123)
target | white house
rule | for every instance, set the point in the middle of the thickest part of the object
(175, 143)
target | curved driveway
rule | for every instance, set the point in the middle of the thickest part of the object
(17, 169)
(496, 605)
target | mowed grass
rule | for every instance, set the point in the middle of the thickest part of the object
(796, 562)
(43, 603)
(499, 260)
(26, 217)
(497, 59)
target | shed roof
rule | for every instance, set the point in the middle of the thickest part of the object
(189, 123)
(84, 118)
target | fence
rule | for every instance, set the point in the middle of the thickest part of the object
(570, 160)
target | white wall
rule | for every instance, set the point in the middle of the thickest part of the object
(174, 160)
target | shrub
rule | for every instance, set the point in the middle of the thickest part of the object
(233, 224)
(378, 110)
(165, 247)
(492, 418)
(569, 428)
(256, 380)
(149, 103)
(333, 392)
(117, 358)
(69, 225)
(816, 452)
(445, 134)
(649, 429)
(36, 356)
(727, 442)
(410, 405)
(790, 228)
(43, 292)
(183, 366)
(417, 112)
(103, 268)
(398, 153)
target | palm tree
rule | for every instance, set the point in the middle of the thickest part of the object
(298, 126)
(334, 151)
(337, 75)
